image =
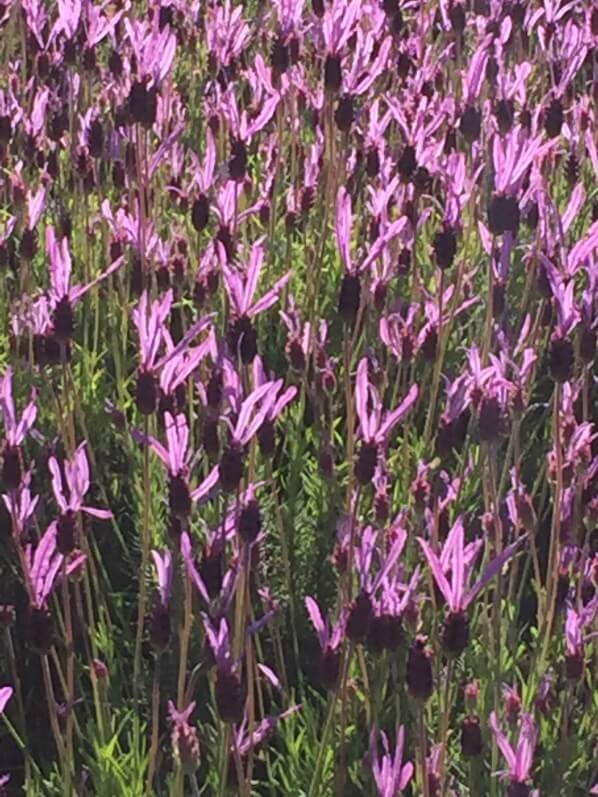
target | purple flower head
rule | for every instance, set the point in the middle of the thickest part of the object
(365, 68)
(298, 345)
(396, 332)
(75, 484)
(191, 569)
(486, 382)
(519, 504)
(185, 743)
(243, 129)
(209, 579)
(343, 225)
(575, 625)
(474, 77)
(329, 639)
(513, 154)
(63, 297)
(375, 428)
(150, 322)
(21, 507)
(178, 460)
(340, 21)
(470, 551)
(15, 430)
(563, 292)
(519, 759)
(364, 556)
(154, 49)
(227, 32)
(176, 370)
(241, 289)
(266, 434)
(390, 773)
(5, 695)
(179, 717)
(455, 592)
(245, 742)
(253, 412)
(35, 206)
(164, 573)
(44, 565)
(220, 642)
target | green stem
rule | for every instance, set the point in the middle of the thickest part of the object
(315, 788)
(155, 727)
(51, 700)
(422, 749)
(70, 678)
(143, 565)
(444, 722)
(185, 637)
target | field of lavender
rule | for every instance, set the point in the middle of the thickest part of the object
(298, 398)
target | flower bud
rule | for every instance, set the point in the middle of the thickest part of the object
(360, 617)
(65, 533)
(330, 661)
(332, 73)
(470, 124)
(250, 522)
(179, 497)
(385, 633)
(12, 471)
(419, 671)
(230, 468)
(561, 359)
(159, 628)
(365, 466)
(471, 737)
(185, 746)
(455, 633)
(101, 670)
(553, 118)
(242, 339)
(146, 392)
(518, 790)
(574, 666)
(349, 298)
(229, 696)
(40, 630)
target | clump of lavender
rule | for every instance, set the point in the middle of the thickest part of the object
(331, 269)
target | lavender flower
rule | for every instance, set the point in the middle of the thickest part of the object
(5, 695)
(43, 569)
(63, 298)
(159, 631)
(252, 414)
(150, 320)
(178, 460)
(454, 591)
(390, 773)
(330, 643)
(575, 625)
(185, 744)
(375, 429)
(519, 759)
(76, 483)
(15, 431)
(229, 690)
(241, 334)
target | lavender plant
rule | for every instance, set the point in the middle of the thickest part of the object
(298, 398)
